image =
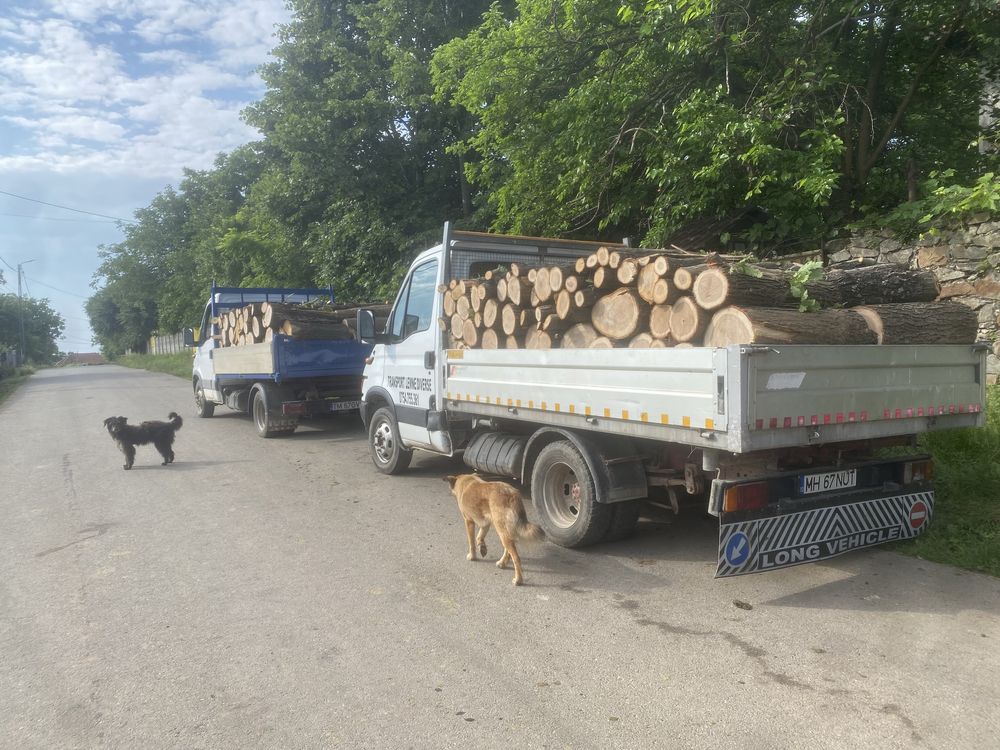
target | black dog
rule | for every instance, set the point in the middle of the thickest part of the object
(160, 434)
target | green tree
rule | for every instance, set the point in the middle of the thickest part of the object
(364, 174)
(638, 116)
(42, 327)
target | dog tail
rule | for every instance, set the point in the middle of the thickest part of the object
(524, 529)
(529, 531)
(175, 419)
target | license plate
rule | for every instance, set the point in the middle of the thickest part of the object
(810, 484)
(344, 405)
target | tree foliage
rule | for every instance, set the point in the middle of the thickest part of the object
(643, 115)
(384, 118)
(42, 327)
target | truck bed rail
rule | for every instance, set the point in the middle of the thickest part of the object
(738, 398)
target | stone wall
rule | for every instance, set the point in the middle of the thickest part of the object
(965, 259)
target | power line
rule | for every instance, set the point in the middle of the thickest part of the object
(66, 208)
(9, 266)
(57, 289)
(55, 218)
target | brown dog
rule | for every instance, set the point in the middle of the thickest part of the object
(498, 504)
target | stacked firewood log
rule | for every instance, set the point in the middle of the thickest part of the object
(260, 321)
(680, 299)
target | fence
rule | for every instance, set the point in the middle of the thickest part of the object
(171, 344)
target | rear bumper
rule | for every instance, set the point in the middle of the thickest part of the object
(781, 541)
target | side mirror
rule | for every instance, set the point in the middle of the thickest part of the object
(365, 326)
(189, 337)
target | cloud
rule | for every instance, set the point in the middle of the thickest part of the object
(130, 86)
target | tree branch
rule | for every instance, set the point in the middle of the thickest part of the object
(917, 77)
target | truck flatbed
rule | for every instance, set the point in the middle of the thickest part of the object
(738, 399)
(284, 358)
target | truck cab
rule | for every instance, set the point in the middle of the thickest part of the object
(403, 403)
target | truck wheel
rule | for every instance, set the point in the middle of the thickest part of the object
(387, 451)
(203, 407)
(565, 495)
(624, 517)
(264, 422)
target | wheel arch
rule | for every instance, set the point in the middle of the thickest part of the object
(375, 399)
(614, 463)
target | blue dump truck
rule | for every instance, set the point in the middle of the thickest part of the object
(276, 381)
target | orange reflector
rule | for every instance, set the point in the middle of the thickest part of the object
(745, 497)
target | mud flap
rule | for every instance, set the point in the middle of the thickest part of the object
(780, 541)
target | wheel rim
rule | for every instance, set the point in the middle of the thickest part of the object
(259, 414)
(199, 399)
(561, 495)
(382, 442)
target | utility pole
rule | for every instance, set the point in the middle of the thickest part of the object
(20, 310)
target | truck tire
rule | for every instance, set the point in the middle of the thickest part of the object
(264, 421)
(384, 445)
(565, 496)
(624, 517)
(202, 406)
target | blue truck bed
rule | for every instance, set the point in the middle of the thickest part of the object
(285, 358)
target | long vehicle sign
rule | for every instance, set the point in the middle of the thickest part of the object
(807, 536)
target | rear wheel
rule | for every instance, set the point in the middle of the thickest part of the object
(202, 406)
(266, 423)
(624, 517)
(387, 451)
(565, 496)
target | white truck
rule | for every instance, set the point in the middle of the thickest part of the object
(783, 444)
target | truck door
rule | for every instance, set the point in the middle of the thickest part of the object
(204, 367)
(410, 354)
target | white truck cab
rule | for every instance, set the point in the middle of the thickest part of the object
(403, 394)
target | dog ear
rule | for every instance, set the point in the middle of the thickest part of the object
(451, 481)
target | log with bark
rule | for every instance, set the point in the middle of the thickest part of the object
(659, 321)
(536, 339)
(579, 336)
(618, 298)
(883, 284)
(770, 325)
(645, 341)
(687, 320)
(620, 315)
(921, 322)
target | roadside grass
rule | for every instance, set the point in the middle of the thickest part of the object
(965, 531)
(11, 378)
(171, 364)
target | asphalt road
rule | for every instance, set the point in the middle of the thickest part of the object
(283, 594)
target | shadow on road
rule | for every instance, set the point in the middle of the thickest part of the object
(182, 465)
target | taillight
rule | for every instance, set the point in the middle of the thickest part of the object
(918, 471)
(746, 497)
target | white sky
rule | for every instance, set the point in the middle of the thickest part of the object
(103, 103)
